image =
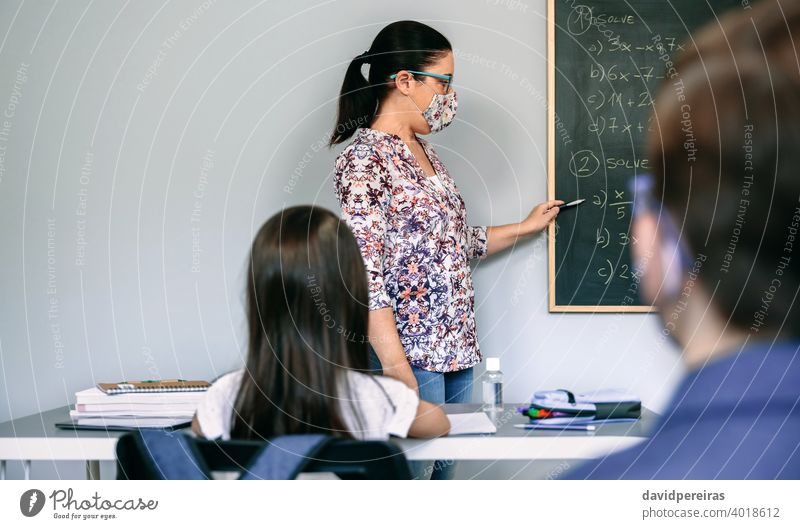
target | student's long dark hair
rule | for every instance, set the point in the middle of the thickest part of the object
(404, 45)
(307, 318)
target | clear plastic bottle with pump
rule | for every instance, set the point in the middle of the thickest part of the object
(493, 386)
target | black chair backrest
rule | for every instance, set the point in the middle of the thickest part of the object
(347, 458)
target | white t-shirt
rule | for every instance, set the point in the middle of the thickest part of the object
(385, 406)
(435, 179)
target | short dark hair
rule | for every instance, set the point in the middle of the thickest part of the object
(403, 45)
(307, 316)
(726, 159)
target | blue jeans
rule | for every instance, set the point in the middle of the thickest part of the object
(440, 388)
(374, 364)
(437, 388)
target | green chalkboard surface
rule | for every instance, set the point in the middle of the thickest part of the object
(606, 60)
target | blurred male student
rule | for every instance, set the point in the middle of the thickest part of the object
(719, 254)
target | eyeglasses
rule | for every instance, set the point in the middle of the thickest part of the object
(644, 201)
(447, 78)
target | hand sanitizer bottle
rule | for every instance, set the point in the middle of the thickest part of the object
(493, 386)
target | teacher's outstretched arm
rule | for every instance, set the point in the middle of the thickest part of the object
(384, 339)
(501, 237)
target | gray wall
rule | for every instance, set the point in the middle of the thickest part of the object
(144, 145)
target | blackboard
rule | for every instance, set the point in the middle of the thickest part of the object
(606, 60)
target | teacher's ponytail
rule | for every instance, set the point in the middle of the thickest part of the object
(404, 45)
(357, 101)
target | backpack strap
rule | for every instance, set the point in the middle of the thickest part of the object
(286, 456)
(171, 455)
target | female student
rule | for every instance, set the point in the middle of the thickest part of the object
(307, 358)
(718, 252)
(408, 215)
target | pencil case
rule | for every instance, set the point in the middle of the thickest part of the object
(597, 405)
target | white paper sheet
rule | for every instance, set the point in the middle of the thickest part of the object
(470, 423)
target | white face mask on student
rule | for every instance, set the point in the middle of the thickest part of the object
(441, 111)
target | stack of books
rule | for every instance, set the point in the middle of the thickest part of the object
(142, 404)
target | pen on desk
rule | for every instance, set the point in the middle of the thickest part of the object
(573, 203)
(580, 427)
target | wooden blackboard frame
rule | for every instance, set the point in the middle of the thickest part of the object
(551, 184)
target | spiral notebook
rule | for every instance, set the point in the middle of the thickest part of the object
(153, 386)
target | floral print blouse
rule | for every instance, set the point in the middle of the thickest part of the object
(416, 245)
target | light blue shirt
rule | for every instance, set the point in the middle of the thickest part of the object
(736, 418)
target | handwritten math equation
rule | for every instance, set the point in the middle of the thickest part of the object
(606, 93)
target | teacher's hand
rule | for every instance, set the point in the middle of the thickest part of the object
(541, 216)
(501, 237)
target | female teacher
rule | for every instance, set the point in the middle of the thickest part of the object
(407, 214)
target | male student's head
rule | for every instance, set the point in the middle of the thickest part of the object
(718, 241)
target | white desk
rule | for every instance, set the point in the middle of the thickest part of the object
(35, 437)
